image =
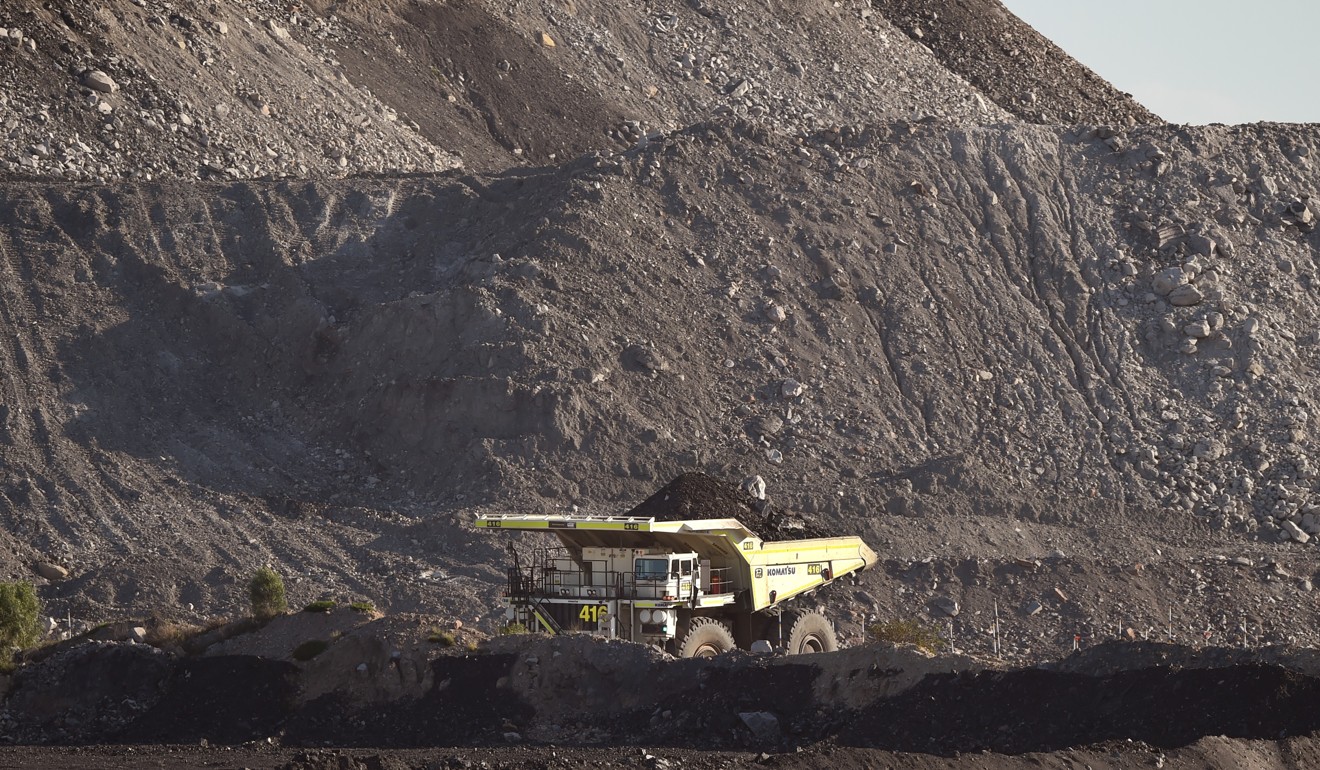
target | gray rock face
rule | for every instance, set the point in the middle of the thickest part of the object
(1167, 280)
(946, 605)
(1200, 245)
(1186, 295)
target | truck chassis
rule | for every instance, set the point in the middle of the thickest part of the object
(695, 588)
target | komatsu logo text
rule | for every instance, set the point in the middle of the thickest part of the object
(778, 571)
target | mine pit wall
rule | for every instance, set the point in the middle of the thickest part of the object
(980, 320)
(578, 691)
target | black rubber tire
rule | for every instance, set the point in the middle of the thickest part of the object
(706, 638)
(811, 632)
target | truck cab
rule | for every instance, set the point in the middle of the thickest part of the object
(668, 576)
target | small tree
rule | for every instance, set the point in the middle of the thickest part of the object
(20, 616)
(267, 594)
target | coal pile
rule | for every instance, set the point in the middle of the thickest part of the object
(1033, 710)
(696, 495)
(509, 694)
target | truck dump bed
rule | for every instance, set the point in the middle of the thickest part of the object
(762, 573)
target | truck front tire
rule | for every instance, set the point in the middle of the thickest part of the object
(706, 638)
(811, 632)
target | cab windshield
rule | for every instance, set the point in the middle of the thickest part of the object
(651, 569)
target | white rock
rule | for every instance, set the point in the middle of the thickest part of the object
(791, 388)
(99, 81)
(1295, 532)
(51, 571)
(754, 486)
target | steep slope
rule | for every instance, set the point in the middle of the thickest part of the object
(547, 80)
(187, 90)
(1013, 64)
(228, 90)
(1104, 341)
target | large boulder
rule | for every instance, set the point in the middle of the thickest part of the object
(99, 81)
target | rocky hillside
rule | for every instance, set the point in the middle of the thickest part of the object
(225, 90)
(307, 287)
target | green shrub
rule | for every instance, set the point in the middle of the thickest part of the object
(513, 629)
(442, 638)
(266, 590)
(325, 605)
(912, 632)
(308, 650)
(172, 633)
(20, 618)
(363, 607)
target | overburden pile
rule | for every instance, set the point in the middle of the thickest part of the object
(355, 274)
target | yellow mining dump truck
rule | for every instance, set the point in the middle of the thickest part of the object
(695, 588)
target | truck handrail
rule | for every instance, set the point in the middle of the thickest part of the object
(562, 517)
(543, 579)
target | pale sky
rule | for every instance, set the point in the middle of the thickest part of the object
(1195, 61)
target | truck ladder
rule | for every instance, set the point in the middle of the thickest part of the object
(522, 590)
(544, 617)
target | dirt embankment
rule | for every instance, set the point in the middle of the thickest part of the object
(580, 691)
(1086, 344)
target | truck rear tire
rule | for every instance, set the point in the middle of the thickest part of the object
(811, 632)
(706, 638)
